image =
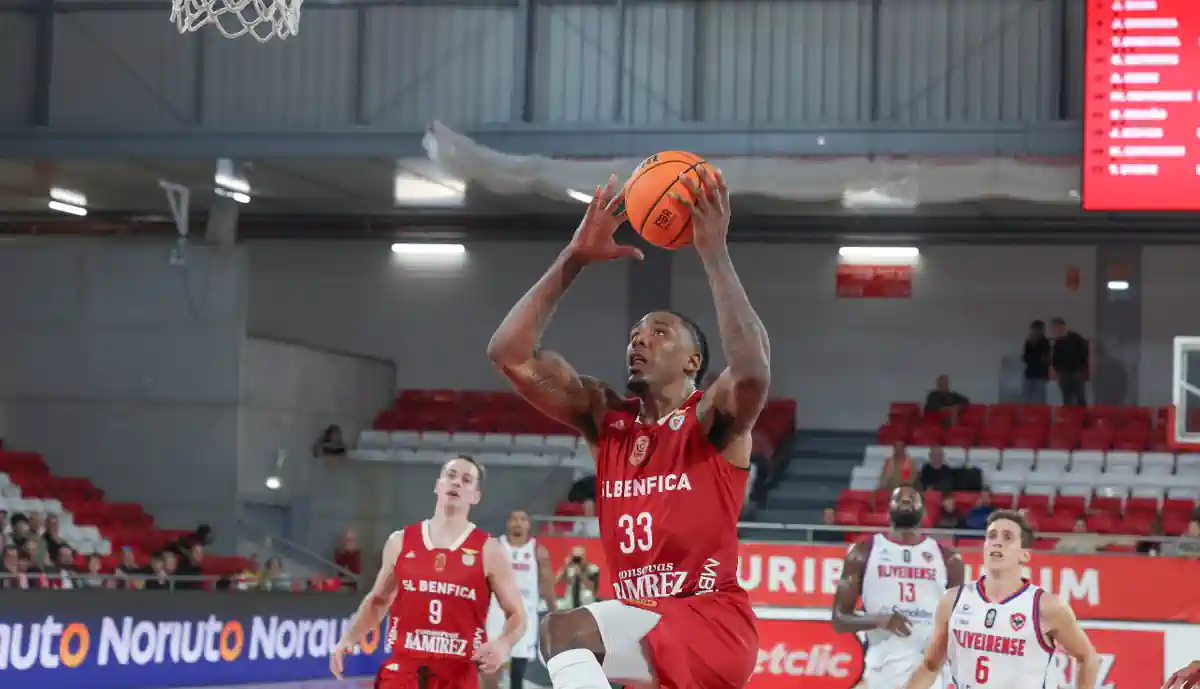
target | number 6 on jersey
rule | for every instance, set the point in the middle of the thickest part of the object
(638, 535)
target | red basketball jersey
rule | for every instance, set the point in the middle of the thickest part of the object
(667, 504)
(438, 618)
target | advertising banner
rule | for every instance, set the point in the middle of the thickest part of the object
(1099, 587)
(145, 639)
(873, 282)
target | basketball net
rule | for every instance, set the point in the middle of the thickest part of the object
(262, 19)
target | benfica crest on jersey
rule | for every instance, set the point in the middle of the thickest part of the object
(469, 556)
(439, 562)
(676, 421)
(640, 446)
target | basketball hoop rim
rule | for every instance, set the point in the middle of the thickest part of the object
(1173, 440)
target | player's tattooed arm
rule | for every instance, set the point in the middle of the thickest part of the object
(541, 376)
(1061, 628)
(935, 653)
(846, 618)
(546, 578)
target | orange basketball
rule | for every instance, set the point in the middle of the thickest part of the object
(660, 219)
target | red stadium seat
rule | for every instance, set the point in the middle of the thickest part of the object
(1072, 505)
(1034, 503)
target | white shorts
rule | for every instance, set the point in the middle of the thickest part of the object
(895, 675)
(527, 646)
(622, 628)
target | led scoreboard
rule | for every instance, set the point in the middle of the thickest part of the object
(1141, 141)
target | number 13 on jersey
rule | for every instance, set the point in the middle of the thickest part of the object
(636, 532)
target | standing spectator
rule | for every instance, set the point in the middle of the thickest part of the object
(897, 469)
(51, 538)
(1069, 363)
(347, 554)
(1036, 358)
(937, 475)
(978, 516)
(582, 579)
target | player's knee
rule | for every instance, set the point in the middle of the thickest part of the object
(563, 631)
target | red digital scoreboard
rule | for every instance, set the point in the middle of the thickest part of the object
(1141, 140)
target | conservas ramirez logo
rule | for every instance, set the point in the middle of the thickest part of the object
(52, 643)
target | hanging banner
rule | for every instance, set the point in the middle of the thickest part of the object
(1098, 587)
(873, 282)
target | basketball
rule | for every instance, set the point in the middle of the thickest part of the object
(660, 219)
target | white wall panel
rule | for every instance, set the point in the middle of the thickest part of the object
(434, 323)
(16, 69)
(843, 360)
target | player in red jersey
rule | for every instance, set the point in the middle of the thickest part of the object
(436, 583)
(671, 467)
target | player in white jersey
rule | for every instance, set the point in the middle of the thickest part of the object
(900, 577)
(535, 579)
(1000, 632)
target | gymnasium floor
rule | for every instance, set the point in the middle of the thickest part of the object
(365, 683)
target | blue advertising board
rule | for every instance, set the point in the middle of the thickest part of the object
(154, 639)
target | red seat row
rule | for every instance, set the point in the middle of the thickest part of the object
(483, 411)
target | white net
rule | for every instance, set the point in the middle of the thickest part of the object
(262, 19)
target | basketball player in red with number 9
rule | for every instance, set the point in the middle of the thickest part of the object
(671, 467)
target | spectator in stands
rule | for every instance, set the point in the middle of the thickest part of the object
(36, 553)
(33, 572)
(944, 400)
(248, 579)
(63, 574)
(11, 576)
(583, 490)
(20, 529)
(162, 564)
(581, 579)
(330, 443)
(1069, 363)
(1036, 358)
(949, 517)
(1189, 545)
(347, 554)
(93, 578)
(127, 569)
(190, 565)
(5, 526)
(273, 578)
(897, 469)
(937, 475)
(977, 517)
(37, 523)
(51, 538)
(1080, 541)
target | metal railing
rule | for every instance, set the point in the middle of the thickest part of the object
(152, 582)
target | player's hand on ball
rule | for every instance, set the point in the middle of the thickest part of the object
(490, 656)
(709, 205)
(337, 661)
(593, 241)
(1187, 678)
(897, 624)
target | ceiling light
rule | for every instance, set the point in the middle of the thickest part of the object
(235, 195)
(579, 196)
(429, 249)
(876, 252)
(273, 483)
(1118, 285)
(412, 190)
(67, 196)
(66, 208)
(231, 183)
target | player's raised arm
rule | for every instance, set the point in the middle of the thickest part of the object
(1059, 623)
(503, 583)
(956, 570)
(543, 377)
(1185, 678)
(546, 579)
(939, 643)
(846, 618)
(740, 392)
(374, 606)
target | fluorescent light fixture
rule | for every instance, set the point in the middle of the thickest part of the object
(1118, 285)
(273, 483)
(66, 208)
(579, 196)
(72, 198)
(414, 190)
(428, 249)
(231, 183)
(235, 195)
(893, 253)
